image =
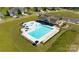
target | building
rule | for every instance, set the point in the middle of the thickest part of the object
(13, 11)
(22, 10)
(53, 8)
(1, 16)
(55, 20)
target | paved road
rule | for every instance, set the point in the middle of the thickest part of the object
(72, 20)
(67, 19)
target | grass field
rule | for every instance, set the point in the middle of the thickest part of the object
(7, 30)
(63, 42)
(11, 39)
(66, 13)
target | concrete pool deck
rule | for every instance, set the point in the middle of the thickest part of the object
(34, 27)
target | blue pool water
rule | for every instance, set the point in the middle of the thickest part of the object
(40, 31)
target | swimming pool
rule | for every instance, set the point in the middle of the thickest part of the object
(40, 31)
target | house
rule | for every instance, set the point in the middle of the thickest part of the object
(22, 10)
(1, 16)
(57, 20)
(13, 11)
(53, 20)
(53, 8)
(60, 22)
(37, 9)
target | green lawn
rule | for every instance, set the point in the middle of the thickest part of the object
(63, 42)
(9, 33)
(11, 39)
(65, 14)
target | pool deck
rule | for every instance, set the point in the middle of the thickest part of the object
(42, 39)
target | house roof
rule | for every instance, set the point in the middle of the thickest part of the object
(1, 15)
(22, 9)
